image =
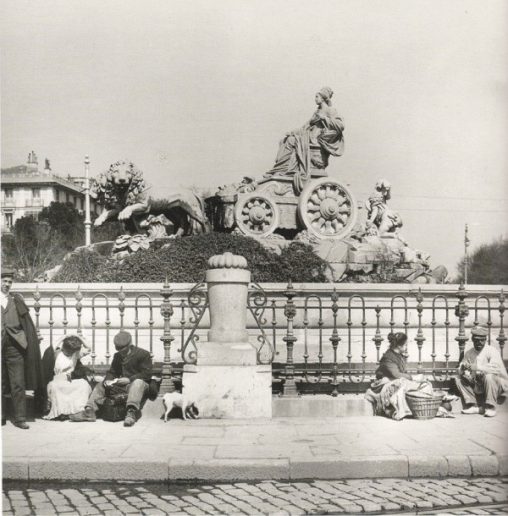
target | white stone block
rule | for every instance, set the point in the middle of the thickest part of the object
(229, 392)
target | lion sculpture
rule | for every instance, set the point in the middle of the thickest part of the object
(121, 190)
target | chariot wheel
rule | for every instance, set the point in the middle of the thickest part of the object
(256, 215)
(327, 209)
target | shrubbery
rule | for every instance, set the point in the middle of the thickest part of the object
(487, 265)
(184, 260)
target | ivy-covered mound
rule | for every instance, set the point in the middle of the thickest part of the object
(184, 260)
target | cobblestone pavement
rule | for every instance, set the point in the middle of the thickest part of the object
(418, 496)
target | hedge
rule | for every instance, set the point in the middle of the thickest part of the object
(184, 260)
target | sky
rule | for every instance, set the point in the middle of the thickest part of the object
(199, 93)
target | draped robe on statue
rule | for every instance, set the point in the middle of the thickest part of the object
(325, 130)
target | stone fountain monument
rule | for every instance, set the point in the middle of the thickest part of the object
(226, 381)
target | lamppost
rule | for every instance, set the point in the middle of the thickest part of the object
(88, 222)
(466, 245)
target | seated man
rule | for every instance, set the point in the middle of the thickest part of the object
(482, 376)
(130, 371)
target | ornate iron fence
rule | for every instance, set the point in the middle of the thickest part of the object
(318, 339)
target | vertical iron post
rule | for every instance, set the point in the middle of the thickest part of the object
(289, 387)
(501, 337)
(167, 338)
(335, 339)
(378, 338)
(121, 307)
(79, 308)
(37, 309)
(461, 311)
(420, 339)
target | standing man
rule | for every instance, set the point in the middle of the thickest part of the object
(21, 354)
(482, 378)
(130, 372)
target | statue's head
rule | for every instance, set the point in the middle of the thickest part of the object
(121, 173)
(384, 186)
(122, 182)
(325, 94)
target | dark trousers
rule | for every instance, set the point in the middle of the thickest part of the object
(13, 377)
(136, 394)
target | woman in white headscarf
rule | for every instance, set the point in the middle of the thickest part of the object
(69, 390)
(324, 129)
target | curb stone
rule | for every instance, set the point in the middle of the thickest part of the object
(458, 466)
(350, 467)
(389, 466)
(127, 469)
(484, 465)
(228, 469)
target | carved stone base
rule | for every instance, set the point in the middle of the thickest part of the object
(229, 392)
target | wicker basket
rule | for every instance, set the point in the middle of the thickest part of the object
(424, 407)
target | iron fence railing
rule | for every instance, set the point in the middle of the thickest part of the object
(327, 339)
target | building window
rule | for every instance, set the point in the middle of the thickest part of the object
(82, 204)
(36, 193)
(75, 202)
(8, 219)
(8, 193)
(67, 197)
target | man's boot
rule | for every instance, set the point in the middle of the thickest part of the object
(87, 415)
(21, 424)
(131, 416)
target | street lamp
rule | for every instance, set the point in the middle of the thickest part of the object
(88, 222)
(466, 245)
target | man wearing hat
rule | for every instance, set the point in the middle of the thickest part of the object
(482, 378)
(130, 372)
(21, 354)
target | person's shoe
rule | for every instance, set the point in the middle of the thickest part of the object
(489, 412)
(131, 417)
(21, 424)
(473, 409)
(87, 415)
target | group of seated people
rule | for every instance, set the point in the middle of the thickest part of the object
(70, 393)
(481, 380)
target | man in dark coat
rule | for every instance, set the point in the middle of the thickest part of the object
(21, 354)
(130, 372)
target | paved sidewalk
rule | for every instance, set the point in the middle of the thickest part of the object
(269, 497)
(281, 448)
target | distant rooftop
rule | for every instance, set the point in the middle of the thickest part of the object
(23, 175)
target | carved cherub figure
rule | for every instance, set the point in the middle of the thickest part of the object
(380, 219)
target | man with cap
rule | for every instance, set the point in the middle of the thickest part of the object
(130, 371)
(482, 378)
(21, 354)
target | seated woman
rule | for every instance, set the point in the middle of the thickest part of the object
(324, 130)
(388, 392)
(69, 390)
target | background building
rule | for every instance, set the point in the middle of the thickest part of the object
(26, 189)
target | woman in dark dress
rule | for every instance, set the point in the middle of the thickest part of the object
(388, 391)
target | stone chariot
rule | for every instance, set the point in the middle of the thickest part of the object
(325, 208)
(296, 199)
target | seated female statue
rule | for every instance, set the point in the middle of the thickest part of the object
(324, 130)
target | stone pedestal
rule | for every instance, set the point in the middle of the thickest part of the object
(229, 391)
(226, 381)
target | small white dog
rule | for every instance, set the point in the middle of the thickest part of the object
(176, 399)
